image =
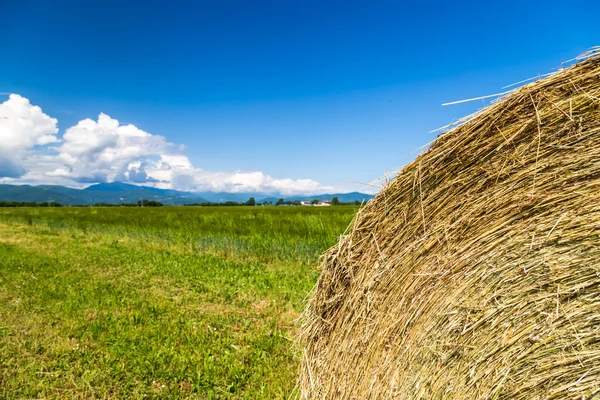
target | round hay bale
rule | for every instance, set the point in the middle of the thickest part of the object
(475, 274)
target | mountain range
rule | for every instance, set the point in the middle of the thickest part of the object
(118, 192)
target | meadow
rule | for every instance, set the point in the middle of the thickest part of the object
(171, 302)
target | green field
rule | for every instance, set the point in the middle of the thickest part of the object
(172, 302)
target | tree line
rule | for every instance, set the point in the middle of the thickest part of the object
(140, 203)
(152, 203)
(281, 202)
(29, 204)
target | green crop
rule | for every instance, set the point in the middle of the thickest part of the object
(166, 302)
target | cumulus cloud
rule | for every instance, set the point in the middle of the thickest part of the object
(23, 127)
(185, 177)
(104, 150)
(177, 172)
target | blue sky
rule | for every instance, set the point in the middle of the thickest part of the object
(289, 96)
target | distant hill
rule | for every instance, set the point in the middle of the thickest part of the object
(119, 192)
(110, 193)
(38, 194)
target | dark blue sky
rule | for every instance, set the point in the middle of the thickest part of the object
(327, 90)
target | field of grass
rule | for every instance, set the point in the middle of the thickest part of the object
(171, 302)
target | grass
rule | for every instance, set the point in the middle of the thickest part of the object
(156, 303)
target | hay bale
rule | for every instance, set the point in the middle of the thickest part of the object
(475, 274)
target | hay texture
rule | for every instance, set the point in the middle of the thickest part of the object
(475, 273)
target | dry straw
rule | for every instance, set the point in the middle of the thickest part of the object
(475, 274)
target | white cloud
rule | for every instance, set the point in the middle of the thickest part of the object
(175, 161)
(104, 150)
(198, 180)
(23, 126)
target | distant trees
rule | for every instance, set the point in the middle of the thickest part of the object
(335, 201)
(28, 204)
(141, 203)
(213, 204)
(16, 204)
(152, 203)
(114, 205)
(149, 203)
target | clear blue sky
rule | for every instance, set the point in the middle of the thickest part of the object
(325, 90)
